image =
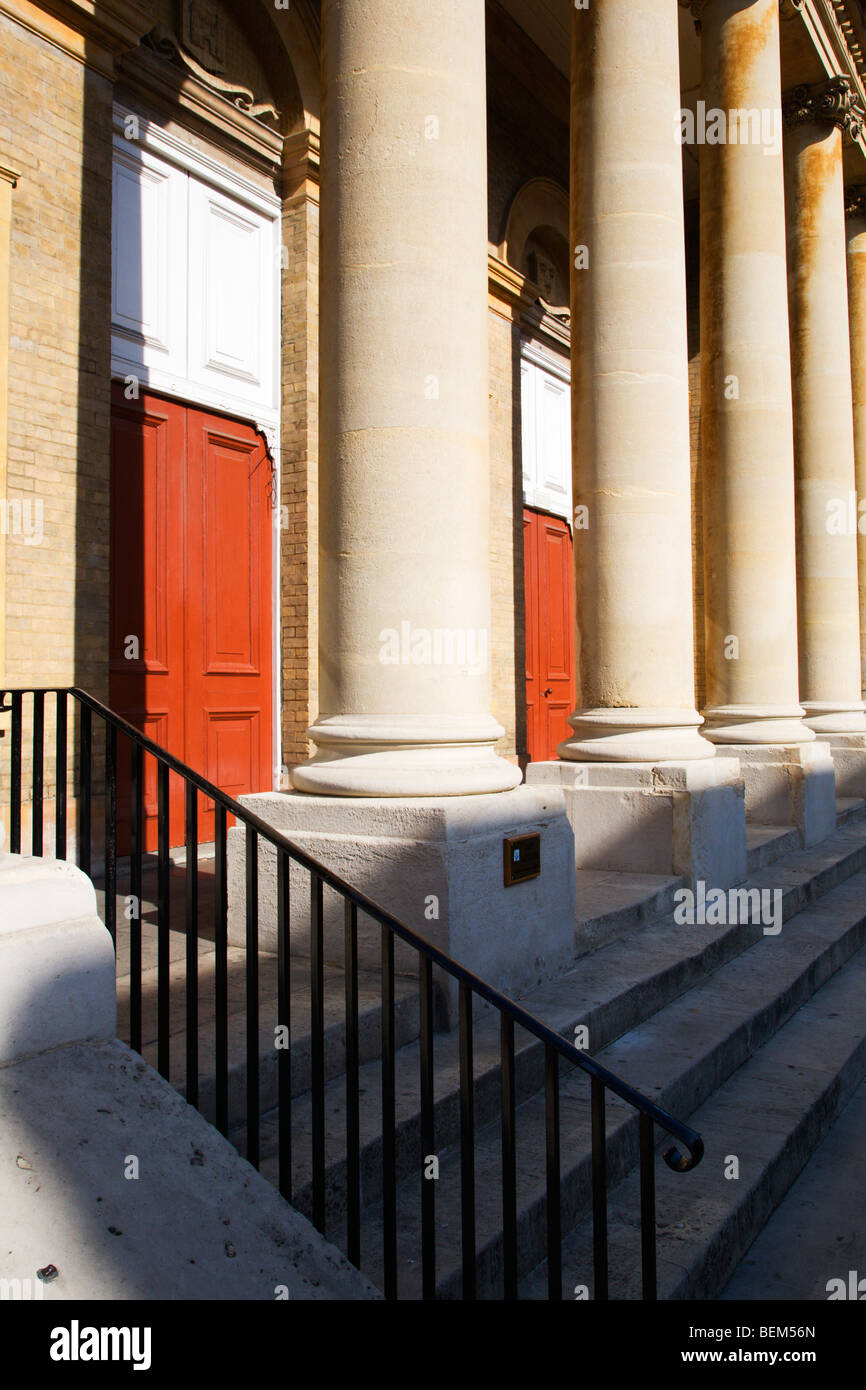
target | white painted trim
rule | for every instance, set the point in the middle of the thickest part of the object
(176, 151)
(535, 494)
(556, 363)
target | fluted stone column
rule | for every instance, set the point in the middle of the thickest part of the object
(750, 597)
(630, 407)
(856, 231)
(828, 604)
(645, 791)
(404, 590)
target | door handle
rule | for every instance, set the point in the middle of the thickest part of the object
(549, 690)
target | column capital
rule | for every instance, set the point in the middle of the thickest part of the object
(833, 100)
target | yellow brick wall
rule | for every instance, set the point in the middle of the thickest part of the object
(506, 536)
(299, 446)
(55, 128)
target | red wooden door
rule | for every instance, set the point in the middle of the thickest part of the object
(549, 592)
(191, 657)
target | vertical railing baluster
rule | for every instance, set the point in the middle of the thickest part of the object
(554, 1215)
(191, 837)
(509, 1159)
(252, 995)
(389, 1118)
(599, 1191)
(353, 1097)
(467, 1143)
(111, 830)
(136, 828)
(428, 1136)
(15, 771)
(317, 1048)
(648, 1208)
(221, 975)
(85, 774)
(284, 1018)
(163, 923)
(38, 771)
(60, 773)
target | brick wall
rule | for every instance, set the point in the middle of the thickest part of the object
(55, 128)
(300, 423)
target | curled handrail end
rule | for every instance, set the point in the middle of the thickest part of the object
(684, 1163)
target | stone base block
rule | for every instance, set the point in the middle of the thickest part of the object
(791, 784)
(664, 818)
(57, 967)
(437, 864)
(849, 759)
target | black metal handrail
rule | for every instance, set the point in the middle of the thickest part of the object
(511, 1013)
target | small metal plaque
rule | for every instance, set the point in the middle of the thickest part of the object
(522, 856)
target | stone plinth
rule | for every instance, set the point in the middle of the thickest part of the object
(437, 865)
(794, 785)
(664, 818)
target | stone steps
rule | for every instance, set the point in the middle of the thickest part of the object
(677, 1010)
(609, 992)
(679, 1057)
(771, 1114)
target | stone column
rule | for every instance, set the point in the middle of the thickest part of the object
(404, 588)
(856, 231)
(753, 708)
(828, 602)
(636, 768)
(396, 799)
(630, 391)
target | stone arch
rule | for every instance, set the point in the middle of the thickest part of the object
(536, 238)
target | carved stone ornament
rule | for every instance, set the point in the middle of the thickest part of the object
(168, 46)
(834, 100)
(202, 33)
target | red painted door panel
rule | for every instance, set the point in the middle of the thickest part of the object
(191, 580)
(549, 587)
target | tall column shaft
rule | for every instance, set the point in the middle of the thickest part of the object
(630, 390)
(404, 510)
(828, 606)
(746, 410)
(857, 323)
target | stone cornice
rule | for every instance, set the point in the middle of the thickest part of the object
(514, 297)
(8, 175)
(301, 160)
(229, 124)
(94, 32)
(835, 100)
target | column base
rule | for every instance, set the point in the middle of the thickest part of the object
(438, 865)
(626, 735)
(793, 785)
(670, 818)
(384, 756)
(826, 718)
(763, 725)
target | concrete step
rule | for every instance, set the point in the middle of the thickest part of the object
(770, 1115)
(406, 1019)
(678, 1057)
(817, 1234)
(609, 993)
